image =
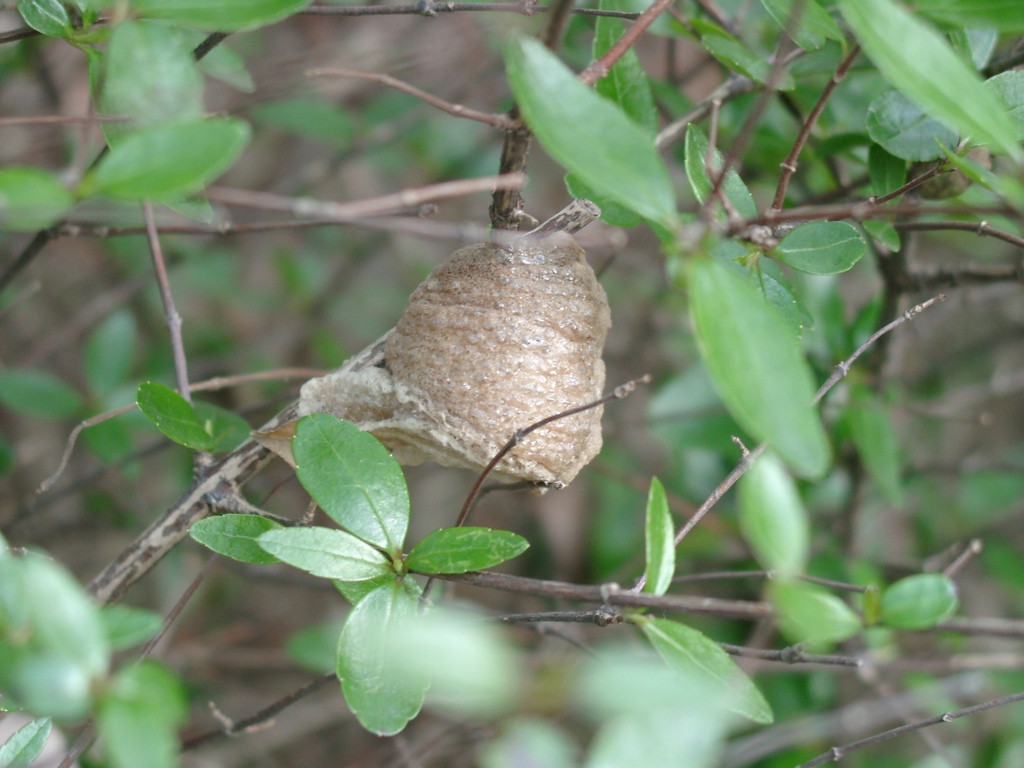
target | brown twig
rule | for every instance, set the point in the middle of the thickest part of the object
(458, 110)
(171, 316)
(981, 228)
(6, 122)
(599, 68)
(431, 8)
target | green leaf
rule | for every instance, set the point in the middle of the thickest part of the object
(773, 519)
(529, 741)
(821, 247)
(626, 83)
(588, 135)
(918, 61)
(755, 363)
(354, 591)
(767, 279)
(807, 613)
(899, 126)
(48, 17)
(883, 232)
(51, 685)
(31, 199)
(326, 552)
(383, 696)
(687, 651)
(1002, 15)
(659, 537)
(308, 117)
(24, 745)
(458, 550)
(173, 416)
(220, 15)
(150, 77)
(735, 55)
(227, 429)
(696, 172)
(353, 478)
(876, 442)
(919, 602)
(315, 647)
(138, 717)
(64, 620)
(109, 352)
(235, 536)
(886, 171)
(1008, 87)
(811, 29)
(126, 627)
(38, 393)
(167, 161)
(225, 65)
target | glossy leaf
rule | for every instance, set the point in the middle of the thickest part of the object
(807, 613)
(904, 130)
(756, 365)
(771, 284)
(1008, 87)
(220, 15)
(235, 536)
(48, 17)
(109, 352)
(326, 552)
(31, 199)
(884, 233)
(125, 626)
(458, 550)
(876, 442)
(354, 591)
(918, 602)
(24, 745)
(821, 247)
(886, 171)
(696, 172)
(139, 716)
(918, 61)
(588, 135)
(167, 161)
(773, 519)
(227, 429)
(626, 83)
(1002, 15)
(353, 478)
(383, 696)
(659, 537)
(38, 393)
(173, 416)
(813, 27)
(688, 651)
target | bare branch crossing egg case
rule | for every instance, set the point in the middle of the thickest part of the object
(495, 339)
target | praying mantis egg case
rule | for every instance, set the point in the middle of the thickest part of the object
(497, 338)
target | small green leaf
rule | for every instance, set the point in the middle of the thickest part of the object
(315, 647)
(626, 83)
(1009, 89)
(220, 15)
(687, 651)
(876, 442)
(883, 232)
(736, 55)
(918, 61)
(353, 478)
(51, 685)
(173, 416)
(807, 613)
(227, 429)
(871, 605)
(235, 536)
(899, 126)
(167, 161)
(811, 29)
(31, 199)
(24, 745)
(383, 696)
(458, 550)
(109, 352)
(126, 627)
(588, 135)
(768, 280)
(308, 117)
(821, 247)
(696, 172)
(886, 171)
(354, 591)
(659, 536)
(38, 393)
(918, 602)
(773, 519)
(48, 17)
(1001, 15)
(326, 552)
(139, 715)
(756, 365)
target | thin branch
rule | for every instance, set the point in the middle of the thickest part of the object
(430, 8)
(171, 316)
(982, 229)
(35, 245)
(735, 85)
(458, 110)
(789, 165)
(6, 122)
(599, 68)
(836, 753)
(972, 550)
(792, 655)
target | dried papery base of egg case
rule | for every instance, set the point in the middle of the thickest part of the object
(497, 338)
